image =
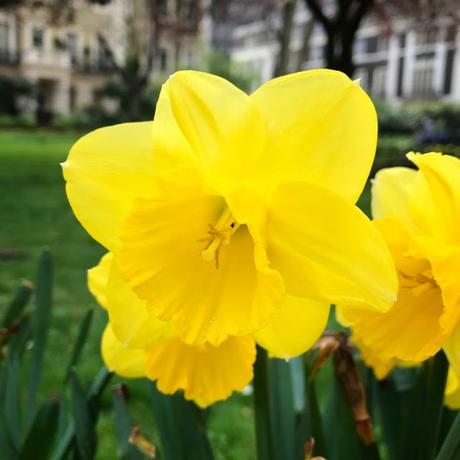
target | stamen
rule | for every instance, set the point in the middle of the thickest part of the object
(218, 235)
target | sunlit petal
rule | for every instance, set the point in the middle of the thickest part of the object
(130, 320)
(326, 249)
(390, 193)
(98, 278)
(203, 120)
(435, 203)
(207, 373)
(322, 128)
(126, 362)
(294, 328)
(105, 170)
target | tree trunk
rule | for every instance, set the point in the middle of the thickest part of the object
(304, 51)
(282, 66)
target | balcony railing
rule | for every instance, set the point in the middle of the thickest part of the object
(97, 67)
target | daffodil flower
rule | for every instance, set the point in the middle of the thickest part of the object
(232, 217)
(418, 214)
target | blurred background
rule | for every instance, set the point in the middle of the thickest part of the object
(69, 66)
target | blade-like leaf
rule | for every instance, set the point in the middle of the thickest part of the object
(278, 408)
(12, 407)
(79, 344)
(434, 398)
(85, 430)
(123, 425)
(94, 392)
(450, 449)
(181, 425)
(42, 434)
(19, 302)
(282, 415)
(41, 321)
(264, 432)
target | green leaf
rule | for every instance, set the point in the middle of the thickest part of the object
(315, 421)
(19, 302)
(450, 449)
(12, 401)
(64, 442)
(181, 425)
(94, 392)
(79, 344)
(282, 415)
(85, 429)
(434, 398)
(278, 408)
(42, 434)
(342, 439)
(99, 383)
(447, 420)
(264, 431)
(123, 425)
(41, 322)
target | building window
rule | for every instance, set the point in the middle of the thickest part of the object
(37, 38)
(72, 47)
(379, 81)
(401, 64)
(4, 38)
(73, 98)
(162, 7)
(451, 33)
(402, 40)
(371, 45)
(423, 78)
(427, 37)
(449, 69)
(163, 59)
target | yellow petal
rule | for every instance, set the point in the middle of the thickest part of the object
(390, 193)
(435, 205)
(445, 264)
(98, 277)
(322, 128)
(326, 249)
(121, 360)
(294, 328)
(161, 258)
(452, 393)
(204, 120)
(373, 359)
(451, 347)
(206, 374)
(131, 322)
(105, 170)
(410, 331)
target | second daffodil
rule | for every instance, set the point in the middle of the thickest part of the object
(418, 213)
(231, 218)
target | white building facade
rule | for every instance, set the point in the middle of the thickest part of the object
(71, 59)
(410, 63)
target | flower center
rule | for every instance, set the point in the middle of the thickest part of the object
(418, 279)
(219, 235)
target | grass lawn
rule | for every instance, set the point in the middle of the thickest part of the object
(34, 214)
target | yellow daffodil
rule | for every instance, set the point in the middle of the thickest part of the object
(418, 214)
(231, 217)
